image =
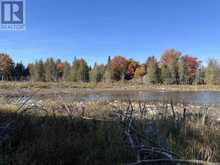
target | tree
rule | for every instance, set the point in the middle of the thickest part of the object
(119, 67)
(132, 66)
(108, 75)
(59, 69)
(166, 75)
(31, 68)
(37, 71)
(97, 73)
(200, 75)
(50, 70)
(6, 65)
(212, 73)
(66, 71)
(140, 71)
(192, 64)
(169, 61)
(183, 70)
(19, 71)
(80, 70)
(152, 70)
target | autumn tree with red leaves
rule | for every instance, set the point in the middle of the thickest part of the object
(132, 66)
(192, 64)
(119, 67)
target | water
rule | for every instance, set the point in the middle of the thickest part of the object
(194, 98)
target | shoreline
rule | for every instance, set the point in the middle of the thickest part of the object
(119, 86)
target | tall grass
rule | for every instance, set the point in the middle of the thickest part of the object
(80, 139)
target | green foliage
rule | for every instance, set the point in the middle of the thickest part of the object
(212, 73)
(165, 75)
(152, 70)
(173, 68)
(66, 71)
(79, 71)
(97, 73)
(38, 71)
(20, 72)
(108, 75)
(183, 71)
(50, 70)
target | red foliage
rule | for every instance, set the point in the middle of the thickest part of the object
(119, 64)
(170, 55)
(131, 69)
(192, 65)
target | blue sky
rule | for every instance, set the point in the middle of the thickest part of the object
(96, 29)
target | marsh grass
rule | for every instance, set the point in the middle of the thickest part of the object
(59, 140)
(46, 85)
(94, 139)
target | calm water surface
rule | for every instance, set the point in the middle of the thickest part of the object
(196, 98)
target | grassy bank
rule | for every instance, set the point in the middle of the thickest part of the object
(104, 86)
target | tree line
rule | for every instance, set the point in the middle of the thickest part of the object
(174, 67)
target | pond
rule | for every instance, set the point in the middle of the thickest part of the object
(194, 98)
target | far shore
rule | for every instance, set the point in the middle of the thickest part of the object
(116, 86)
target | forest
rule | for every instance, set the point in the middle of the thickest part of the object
(173, 67)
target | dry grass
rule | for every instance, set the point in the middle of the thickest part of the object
(80, 139)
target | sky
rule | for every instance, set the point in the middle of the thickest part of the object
(96, 29)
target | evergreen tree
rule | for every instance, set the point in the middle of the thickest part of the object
(108, 75)
(50, 70)
(66, 71)
(97, 73)
(19, 71)
(79, 71)
(166, 75)
(183, 71)
(152, 70)
(212, 73)
(39, 71)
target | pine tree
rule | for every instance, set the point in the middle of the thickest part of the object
(97, 73)
(183, 71)
(19, 72)
(152, 70)
(50, 70)
(108, 75)
(66, 71)
(212, 73)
